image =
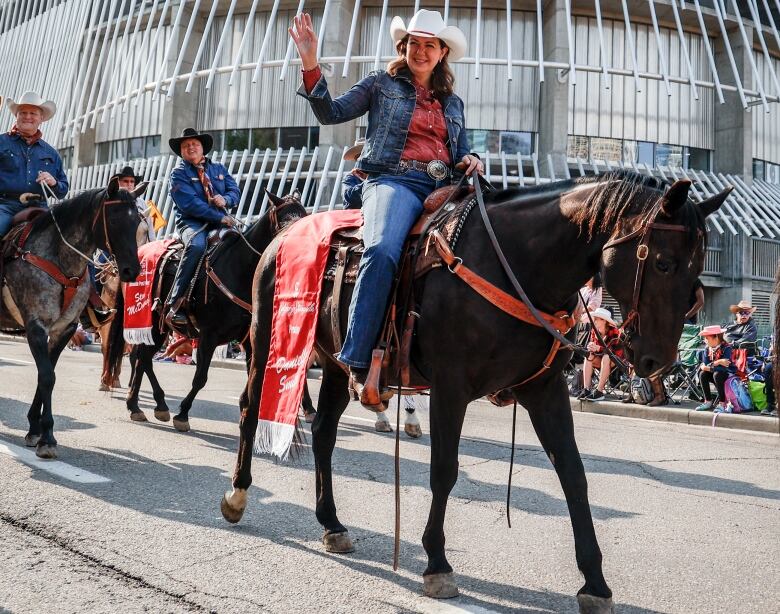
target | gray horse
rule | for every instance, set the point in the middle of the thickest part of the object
(48, 285)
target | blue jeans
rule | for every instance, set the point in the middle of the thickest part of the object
(195, 243)
(391, 206)
(8, 209)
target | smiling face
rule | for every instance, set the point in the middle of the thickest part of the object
(422, 55)
(28, 119)
(192, 150)
(127, 183)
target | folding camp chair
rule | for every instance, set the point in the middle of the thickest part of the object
(682, 380)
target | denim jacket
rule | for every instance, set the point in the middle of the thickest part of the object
(192, 207)
(390, 102)
(20, 164)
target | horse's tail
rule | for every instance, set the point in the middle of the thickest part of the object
(116, 338)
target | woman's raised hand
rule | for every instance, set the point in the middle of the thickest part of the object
(302, 33)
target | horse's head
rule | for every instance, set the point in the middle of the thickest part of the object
(114, 227)
(649, 265)
(284, 210)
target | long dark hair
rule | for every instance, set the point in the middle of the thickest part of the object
(442, 80)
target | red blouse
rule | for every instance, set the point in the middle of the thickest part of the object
(427, 136)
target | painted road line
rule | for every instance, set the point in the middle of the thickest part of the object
(58, 468)
(426, 606)
(361, 419)
(20, 362)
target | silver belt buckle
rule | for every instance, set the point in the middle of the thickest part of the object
(437, 170)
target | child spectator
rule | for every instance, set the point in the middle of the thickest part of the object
(607, 327)
(716, 367)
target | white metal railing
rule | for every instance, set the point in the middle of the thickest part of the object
(317, 175)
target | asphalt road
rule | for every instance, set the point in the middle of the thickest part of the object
(127, 519)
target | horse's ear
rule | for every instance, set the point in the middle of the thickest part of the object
(675, 197)
(296, 195)
(713, 203)
(140, 189)
(274, 199)
(113, 187)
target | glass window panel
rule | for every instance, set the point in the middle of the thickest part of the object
(645, 153)
(606, 149)
(478, 140)
(264, 138)
(629, 151)
(577, 147)
(668, 155)
(135, 148)
(314, 137)
(118, 151)
(516, 142)
(236, 139)
(758, 169)
(773, 173)
(698, 159)
(103, 152)
(152, 146)
(293, 137)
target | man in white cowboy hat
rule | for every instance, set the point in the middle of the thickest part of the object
(26, 160)
(743, 328)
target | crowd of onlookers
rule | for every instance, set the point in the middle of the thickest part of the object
(729, 360)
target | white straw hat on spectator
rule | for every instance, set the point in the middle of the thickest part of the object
(47, 107)
(430, 24)
(604, 314)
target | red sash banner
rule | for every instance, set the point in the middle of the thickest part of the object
(300, 268)
(138, 294)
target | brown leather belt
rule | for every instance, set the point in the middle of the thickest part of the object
(436, 169)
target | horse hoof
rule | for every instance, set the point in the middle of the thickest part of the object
(46, 451)
(104, 388)
(181, 425)
(383, 426)
(340, 543)
(440, 586)
(31, 441)
(413, 430)
(590, 604)
(138, 416)
(230, 513)
(310, 417)
(162, 416)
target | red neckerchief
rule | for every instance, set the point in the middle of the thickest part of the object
(205, 181)
(30, 140)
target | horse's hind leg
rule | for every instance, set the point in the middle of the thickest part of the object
(333, 400)
(205, 353)
(548, 406)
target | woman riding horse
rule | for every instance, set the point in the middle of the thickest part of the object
(416, 134)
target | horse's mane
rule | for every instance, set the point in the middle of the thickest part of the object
(78, 207)
(618, 194)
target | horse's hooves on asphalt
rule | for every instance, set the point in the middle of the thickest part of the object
(310, 417)
(229, 513)
(589, 604)
(440, 586)
(340, 543)
(182, 426)
(31, 441)
(104, 388)
(138, 416)
(413, 430)
(383, 426)
(46, 451)
(162, 416)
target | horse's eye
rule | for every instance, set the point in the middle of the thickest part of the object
(662, 265)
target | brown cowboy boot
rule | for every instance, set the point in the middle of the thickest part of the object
(659, 392)
(365, 383)
(176, 316)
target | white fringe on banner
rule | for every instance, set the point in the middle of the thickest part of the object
(139, 336)
(274, 438)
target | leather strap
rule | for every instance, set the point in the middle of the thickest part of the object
(562, 321)
(335, 304)
(226, 291)
(70, 285)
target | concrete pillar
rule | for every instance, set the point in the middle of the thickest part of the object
(733, 124)
(181, 111)
(554, 93)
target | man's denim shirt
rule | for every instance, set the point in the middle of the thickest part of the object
(390, 102)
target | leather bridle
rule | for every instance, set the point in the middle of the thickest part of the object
(101, 214)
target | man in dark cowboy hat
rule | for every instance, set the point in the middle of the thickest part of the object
(128, 180)
(203, 193)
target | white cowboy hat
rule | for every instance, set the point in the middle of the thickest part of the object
(431, 24)
(47, 107)
(603, 314)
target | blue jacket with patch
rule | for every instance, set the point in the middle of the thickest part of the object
(20, 164)
(192, 206)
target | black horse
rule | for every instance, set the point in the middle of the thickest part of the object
(220, 319)
(42, 307)
(555, 237)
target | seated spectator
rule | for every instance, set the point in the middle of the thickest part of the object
(79, 339)
(608, 330)
(743, 328)
(769, 386)
(716, 367)
(591, 295)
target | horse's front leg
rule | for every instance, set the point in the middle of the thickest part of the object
(333, 400)
(448, 409)
(550, 411)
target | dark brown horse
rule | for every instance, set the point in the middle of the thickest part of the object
(555, 237)
(105, 219)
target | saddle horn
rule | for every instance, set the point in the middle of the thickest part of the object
(713, 203)
(676, 196)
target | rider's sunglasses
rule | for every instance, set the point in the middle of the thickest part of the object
(745, 312)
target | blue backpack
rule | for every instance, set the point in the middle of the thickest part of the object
(737, 394)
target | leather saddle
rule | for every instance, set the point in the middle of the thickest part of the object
(444, 211)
